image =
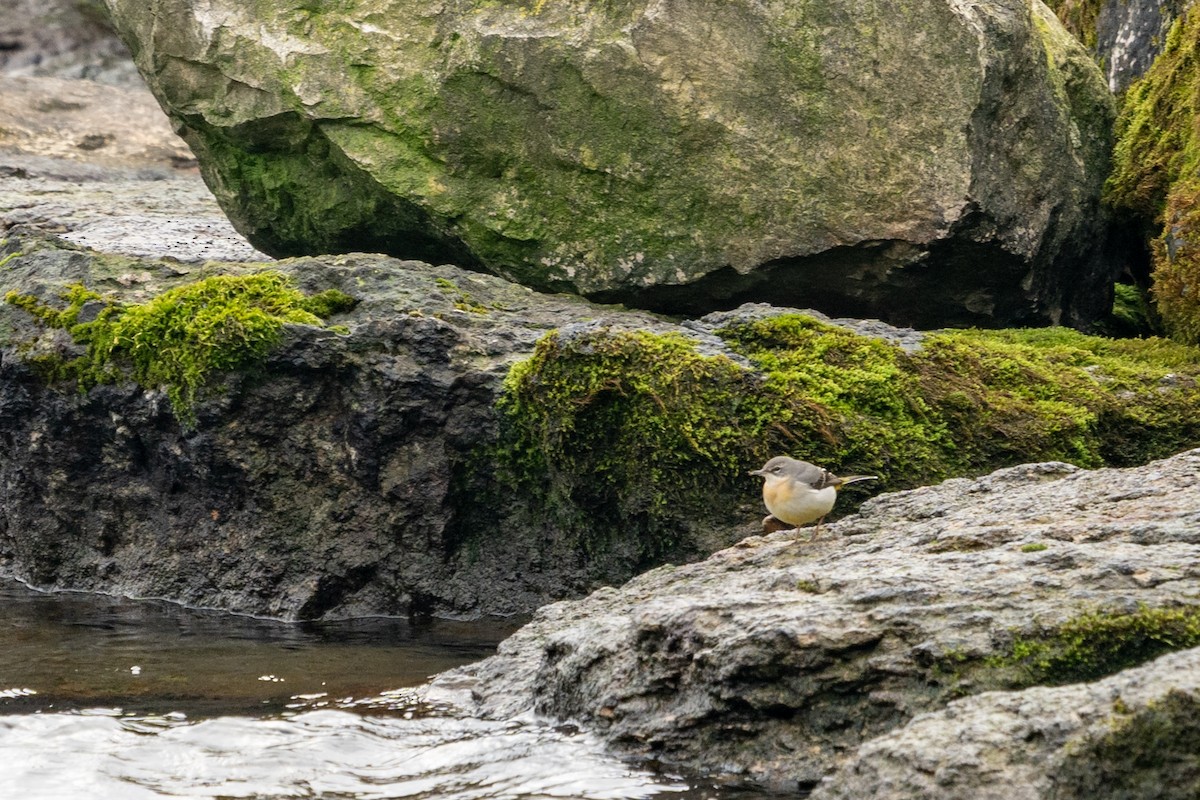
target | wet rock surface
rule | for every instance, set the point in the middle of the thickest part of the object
(777, 659)
(322, 484)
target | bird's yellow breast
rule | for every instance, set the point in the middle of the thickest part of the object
(797, 503)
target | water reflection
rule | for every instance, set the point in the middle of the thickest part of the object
(79, 651)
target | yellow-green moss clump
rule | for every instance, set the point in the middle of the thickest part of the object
(643, 427)
(1154, 174)
(1096, 644)
(179, 340)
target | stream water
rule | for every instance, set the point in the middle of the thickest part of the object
(109, 699)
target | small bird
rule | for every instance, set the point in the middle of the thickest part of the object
(797, 492)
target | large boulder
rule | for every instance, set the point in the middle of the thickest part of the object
(930, 163)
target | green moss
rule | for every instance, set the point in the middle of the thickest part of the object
(1131, 314)
(1054, 393)
(873, 415)
(1034, 547)
(1153, 751)
(1156, 132)
(634, 426)
(1096, 644)
(641, 432)
(179, 340)
(1154, 173)
(1176, 252)
(76, 296)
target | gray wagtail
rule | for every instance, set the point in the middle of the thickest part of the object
(797, 492)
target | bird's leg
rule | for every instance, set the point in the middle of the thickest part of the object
(817, 531)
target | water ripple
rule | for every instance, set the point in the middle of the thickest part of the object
(325, 753)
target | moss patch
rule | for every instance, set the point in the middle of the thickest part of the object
(1096, 644)
(1079, 17)
(179, 340)
(1177, 262)
(639, 429)
(1156, 140)
(633, 430)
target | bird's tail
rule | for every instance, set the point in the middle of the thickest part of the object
(855, 479)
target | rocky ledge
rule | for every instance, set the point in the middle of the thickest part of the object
(781, 660)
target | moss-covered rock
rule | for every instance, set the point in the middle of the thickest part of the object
(1096, 644)
(1125, 36)
(468, 445)
(807, 154)
(646, 430)
(180, 339)
(1155, 163)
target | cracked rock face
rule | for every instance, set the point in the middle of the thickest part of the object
(1129, 36)
(930, 163)
(775, 660)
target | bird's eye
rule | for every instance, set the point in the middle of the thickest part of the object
(776, 469)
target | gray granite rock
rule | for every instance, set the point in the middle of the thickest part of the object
(101, 167)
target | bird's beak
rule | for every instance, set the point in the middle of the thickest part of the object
(757, 472)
